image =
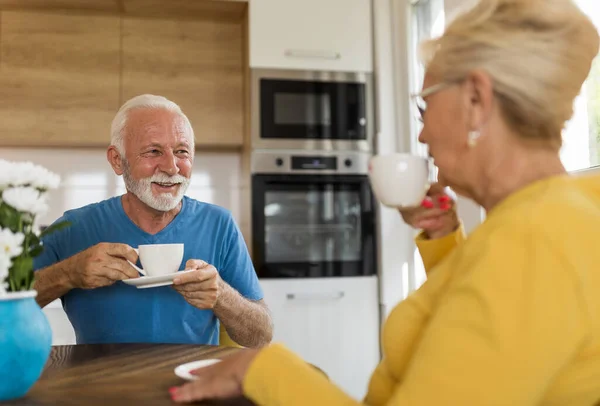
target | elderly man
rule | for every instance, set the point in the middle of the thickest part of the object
(152, 146)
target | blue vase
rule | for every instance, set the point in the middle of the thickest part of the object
(25, 343)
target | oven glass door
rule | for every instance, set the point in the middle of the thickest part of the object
(313, 226)
(300, 109)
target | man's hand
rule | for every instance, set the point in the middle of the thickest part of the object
(200, 288)
(247, 322)
(102, 265)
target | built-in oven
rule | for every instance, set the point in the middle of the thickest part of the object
(318, 110)
(313, 215)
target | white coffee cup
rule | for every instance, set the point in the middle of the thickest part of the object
(399, 180)
(159, 259)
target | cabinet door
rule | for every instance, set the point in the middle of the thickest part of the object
(62, 330)
(332, 323)
(311, 34)
(196, 64)
(59, 76)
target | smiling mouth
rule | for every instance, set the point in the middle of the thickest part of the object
(165, 185)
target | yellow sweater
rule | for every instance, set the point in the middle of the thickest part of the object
(510, 316)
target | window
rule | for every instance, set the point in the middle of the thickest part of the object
(581, 137)
(427, 21)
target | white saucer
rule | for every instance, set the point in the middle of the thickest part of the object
(144, 282)
(185, 370)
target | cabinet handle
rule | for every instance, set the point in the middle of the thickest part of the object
(303, 53)
(315, 296)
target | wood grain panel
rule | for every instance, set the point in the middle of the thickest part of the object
(197, 64)
(205, 9)
(87, 5)
(59, 76)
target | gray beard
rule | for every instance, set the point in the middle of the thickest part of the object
(142, 188)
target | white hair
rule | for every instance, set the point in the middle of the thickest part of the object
(144, 101)
(537, 52)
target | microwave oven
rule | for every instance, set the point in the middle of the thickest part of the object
(317, 110)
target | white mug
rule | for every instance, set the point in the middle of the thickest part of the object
(159, 259)
(399, 180)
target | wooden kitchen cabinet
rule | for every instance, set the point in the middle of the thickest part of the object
(197, 64)
(332, 323)
(333, 35)
(59, 76)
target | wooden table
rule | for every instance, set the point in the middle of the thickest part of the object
(117, 375)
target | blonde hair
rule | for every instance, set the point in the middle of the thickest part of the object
(537, 52)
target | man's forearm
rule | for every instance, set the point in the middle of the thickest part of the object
(52, 283)
(248, 323)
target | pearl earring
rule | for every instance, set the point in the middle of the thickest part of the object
(472, 138)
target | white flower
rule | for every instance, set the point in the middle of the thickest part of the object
(11, 245)
(26, 174)
(5, 264)
(35, 229)
(25, 199)
(44, 179)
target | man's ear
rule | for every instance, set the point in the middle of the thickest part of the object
(115, 160)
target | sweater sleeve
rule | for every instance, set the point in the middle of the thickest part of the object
(433, 251)
(291, 381)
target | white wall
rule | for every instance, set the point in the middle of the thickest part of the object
(86, 177)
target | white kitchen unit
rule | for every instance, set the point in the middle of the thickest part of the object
(330, 35)
(62, 330)
(332, 323)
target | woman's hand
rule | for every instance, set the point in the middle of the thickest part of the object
(217, 381)
(437, 214)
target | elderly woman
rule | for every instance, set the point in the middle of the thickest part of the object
(511, 315)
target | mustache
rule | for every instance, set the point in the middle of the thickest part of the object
(163, 178)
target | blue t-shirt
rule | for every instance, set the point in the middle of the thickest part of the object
(121, 313)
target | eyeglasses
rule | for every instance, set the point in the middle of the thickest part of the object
(419, 97)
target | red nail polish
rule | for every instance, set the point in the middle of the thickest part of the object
(445, 206)
(172, 390)
(444, 199)
(428, 204)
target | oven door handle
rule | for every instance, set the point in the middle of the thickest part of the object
(316, 296)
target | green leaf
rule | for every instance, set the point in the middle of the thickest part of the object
(55, 227)
(9, 217)
(35, 245)
(21, 273)
(36, 250)
(33, 239)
